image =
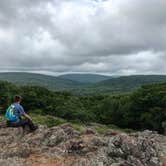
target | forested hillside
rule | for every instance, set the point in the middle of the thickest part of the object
(77, 86)
(85, 78)
(122, 84)
(145, 108)
(50, 82)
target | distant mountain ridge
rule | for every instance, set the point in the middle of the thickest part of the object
(127, 83)
(50, 82)
(85, 78)
(80, 85)
(134, 80)
(123, 84)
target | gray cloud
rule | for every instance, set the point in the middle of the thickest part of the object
(111, 36)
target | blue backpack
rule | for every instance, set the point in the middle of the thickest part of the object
(10, 114)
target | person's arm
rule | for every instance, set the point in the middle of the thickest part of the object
(22, 112)
(27, 116)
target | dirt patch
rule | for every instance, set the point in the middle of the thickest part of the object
(44, 160)
(163, 160)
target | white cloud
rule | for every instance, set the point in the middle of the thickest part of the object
(110, 36)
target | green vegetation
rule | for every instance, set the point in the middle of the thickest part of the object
(85, 78)
(47, 120)
(119, 85)
(83, 84)
(145, 108)
(50, 82)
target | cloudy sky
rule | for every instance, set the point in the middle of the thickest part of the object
(98, 36)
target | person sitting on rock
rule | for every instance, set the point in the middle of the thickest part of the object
(15, 113)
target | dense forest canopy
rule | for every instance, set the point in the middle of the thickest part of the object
(145, 108)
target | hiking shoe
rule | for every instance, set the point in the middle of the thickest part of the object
(35, 128)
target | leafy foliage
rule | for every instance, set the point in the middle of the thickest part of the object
(145, 108)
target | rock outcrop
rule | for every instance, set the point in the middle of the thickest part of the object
(64, 146)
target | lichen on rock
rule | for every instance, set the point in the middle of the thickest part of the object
(62, 145)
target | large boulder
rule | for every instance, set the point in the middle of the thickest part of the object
(137, 149)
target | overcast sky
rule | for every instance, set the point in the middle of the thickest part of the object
(99, 36)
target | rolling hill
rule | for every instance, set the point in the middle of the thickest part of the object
(133, 81)
(85, 78)
(121, 84)
(80, 86)
(50, 82)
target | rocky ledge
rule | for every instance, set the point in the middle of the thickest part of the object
(64, 146)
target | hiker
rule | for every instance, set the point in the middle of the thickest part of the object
(17, 117)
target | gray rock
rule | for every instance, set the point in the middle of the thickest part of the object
(90, 131)
(66, 146)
